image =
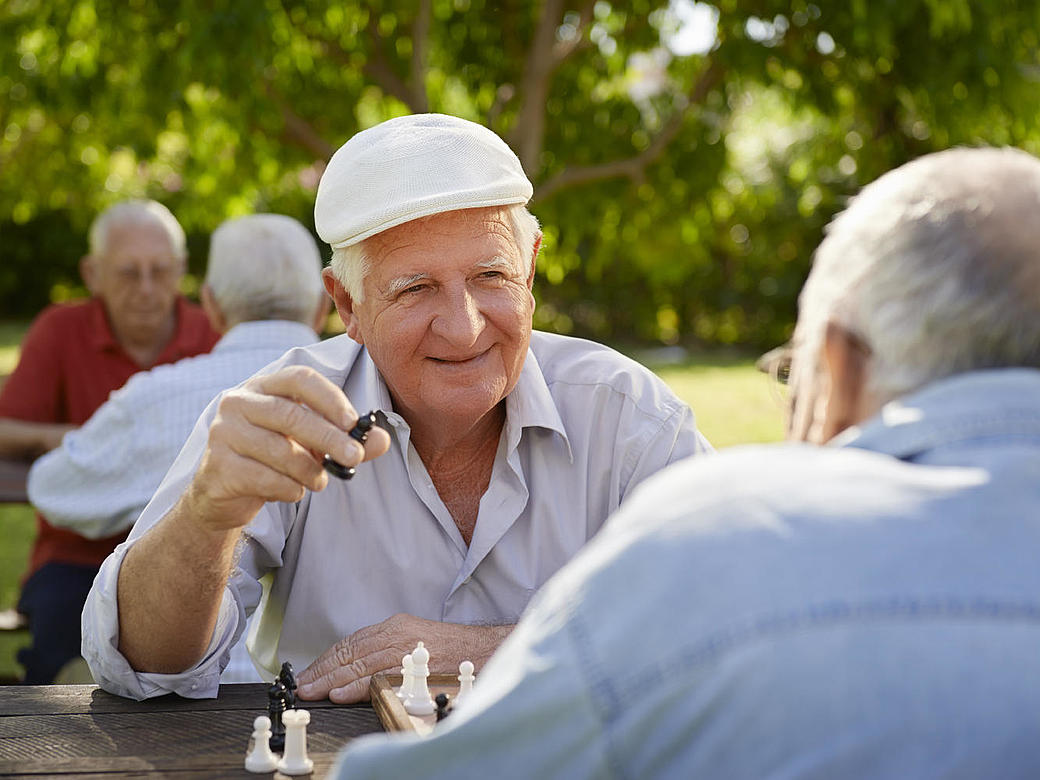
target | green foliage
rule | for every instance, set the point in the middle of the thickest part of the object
(681, 195)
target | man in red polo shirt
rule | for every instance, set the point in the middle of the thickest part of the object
(73, 356)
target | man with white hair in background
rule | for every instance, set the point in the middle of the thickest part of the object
(72, 357)
(506, 449)
(868, 608)
(263, 292)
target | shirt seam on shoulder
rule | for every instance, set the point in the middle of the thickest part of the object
(669, 407)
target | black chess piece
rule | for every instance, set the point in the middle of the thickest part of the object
(443, 708)
(287, 678)
(276, 700)
(358, 432)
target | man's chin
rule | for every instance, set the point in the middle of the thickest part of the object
(456, 402)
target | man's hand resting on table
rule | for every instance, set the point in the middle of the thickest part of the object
(343, 672)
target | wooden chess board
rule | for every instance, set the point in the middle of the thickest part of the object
(391, 712)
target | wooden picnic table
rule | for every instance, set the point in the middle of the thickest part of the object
(13, 474)
(79, 731)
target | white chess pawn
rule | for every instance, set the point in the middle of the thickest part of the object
(260, 758)
(295, 760)
(407, 678)
(466, 678)
(420, 702)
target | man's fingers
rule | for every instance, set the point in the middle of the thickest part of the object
(336, 671)
(291, 420)
(306, 386)
(336, 657)
(356, 691)
(377, 443)
(275, 451)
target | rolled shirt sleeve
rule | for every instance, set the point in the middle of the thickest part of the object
(111, 670)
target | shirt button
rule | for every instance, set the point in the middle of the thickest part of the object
(466, 581)
(194, 686)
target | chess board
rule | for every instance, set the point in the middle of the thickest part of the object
(391, 712)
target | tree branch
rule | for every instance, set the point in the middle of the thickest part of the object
(420, 48)
(377, 66)
(563, 49)
(296, 129)
(528, 133)
(634, 166)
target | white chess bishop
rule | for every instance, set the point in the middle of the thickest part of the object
(418, 700)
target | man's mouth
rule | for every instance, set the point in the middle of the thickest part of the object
(458, 360)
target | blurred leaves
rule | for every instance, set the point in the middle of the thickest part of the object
(681, 193)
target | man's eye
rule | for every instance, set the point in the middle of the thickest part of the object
(492, 275)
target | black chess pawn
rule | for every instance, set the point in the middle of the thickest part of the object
(276, 700)
(287, 678)
(358, 432)
(443, 708)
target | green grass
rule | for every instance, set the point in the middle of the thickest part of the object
(734, 404)
(17, 528)
(10, 337)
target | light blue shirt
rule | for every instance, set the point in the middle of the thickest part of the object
(870, 609)
(584, 425)
(104, 473)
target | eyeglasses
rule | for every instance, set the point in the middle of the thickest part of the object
(160, 275)
(777, 363)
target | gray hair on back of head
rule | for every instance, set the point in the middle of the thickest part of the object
(265, 267)
(351, 264)
(936, 265)
(136, 212)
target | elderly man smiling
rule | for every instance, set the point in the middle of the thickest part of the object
(505, 449)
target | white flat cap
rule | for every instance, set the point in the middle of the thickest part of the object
(412, 167)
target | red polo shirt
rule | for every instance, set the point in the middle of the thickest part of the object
(70, 361)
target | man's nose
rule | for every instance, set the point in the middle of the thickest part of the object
(459, 319)
(146, 280)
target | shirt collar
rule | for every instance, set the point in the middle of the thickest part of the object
(365, 387)
(979, 404)
(266, 332)
(104, 338)
(531, 405)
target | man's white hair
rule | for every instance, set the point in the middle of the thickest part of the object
(351, 264)
(265, 267)
(136, 212)
(936, 265)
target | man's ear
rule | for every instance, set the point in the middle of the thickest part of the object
(344, 304)
(88, 272)
(534, 259)
(846, 360)
(213, 313)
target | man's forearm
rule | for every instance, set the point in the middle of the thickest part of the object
(170, 588)
(21, 439)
